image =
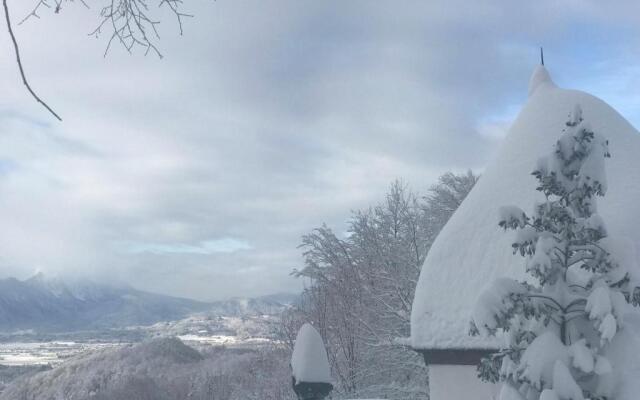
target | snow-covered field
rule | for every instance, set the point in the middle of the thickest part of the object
(223, 340)
(25, 353)
(45, 353)
(197, 330)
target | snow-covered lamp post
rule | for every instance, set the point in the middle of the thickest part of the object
(310, 365)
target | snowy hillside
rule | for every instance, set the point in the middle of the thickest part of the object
(160, 369)
(265, 305)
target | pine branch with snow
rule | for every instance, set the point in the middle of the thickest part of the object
(559, 322)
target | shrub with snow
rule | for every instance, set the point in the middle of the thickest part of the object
(559, 323)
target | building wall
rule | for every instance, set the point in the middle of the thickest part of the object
(459, 382)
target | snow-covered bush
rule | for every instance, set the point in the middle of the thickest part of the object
(559, 322)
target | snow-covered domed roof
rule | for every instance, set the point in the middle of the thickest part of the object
(540, 78)
(471, 251)
(309, 360)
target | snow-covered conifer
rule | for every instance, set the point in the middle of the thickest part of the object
(559, 322)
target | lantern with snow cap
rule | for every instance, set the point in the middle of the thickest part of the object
(310, 365)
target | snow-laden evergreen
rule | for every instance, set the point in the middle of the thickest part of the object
(561, 320)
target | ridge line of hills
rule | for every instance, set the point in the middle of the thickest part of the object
(49, 305)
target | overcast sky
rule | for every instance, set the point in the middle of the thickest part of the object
(196, 175)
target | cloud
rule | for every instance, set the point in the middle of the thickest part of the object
(496, 126)
(261, 123)
(225, 245)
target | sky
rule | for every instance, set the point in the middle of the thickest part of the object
(196, 175)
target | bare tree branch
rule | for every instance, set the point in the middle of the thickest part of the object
(17, 51)
(44, 3)
(129, 22)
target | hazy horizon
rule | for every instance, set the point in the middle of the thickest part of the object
(74, 280)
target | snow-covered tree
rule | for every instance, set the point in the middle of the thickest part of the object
(361, 287)
(559, 322)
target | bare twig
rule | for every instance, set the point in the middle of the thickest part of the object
(22, 74)
(175, 7)
(128, 22)
(44, 3)
(132, 25)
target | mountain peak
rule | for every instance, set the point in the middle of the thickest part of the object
(37, 276)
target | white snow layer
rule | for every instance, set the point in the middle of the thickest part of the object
(539, 358)
(564, 384)
(540, 78)
(622, 373)
(582, 356)
(458, 382)
(491, 301)
(508, 392)
(309, 359)
(548, 394)
(472, 251)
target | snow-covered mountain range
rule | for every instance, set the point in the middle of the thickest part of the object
(47, 304)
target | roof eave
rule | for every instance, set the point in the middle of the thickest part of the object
(452, 356)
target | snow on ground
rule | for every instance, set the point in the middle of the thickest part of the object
(472, 251)
(458, 382)
(157, 369)
(199, 330)
(45, 353)
(223, 340)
